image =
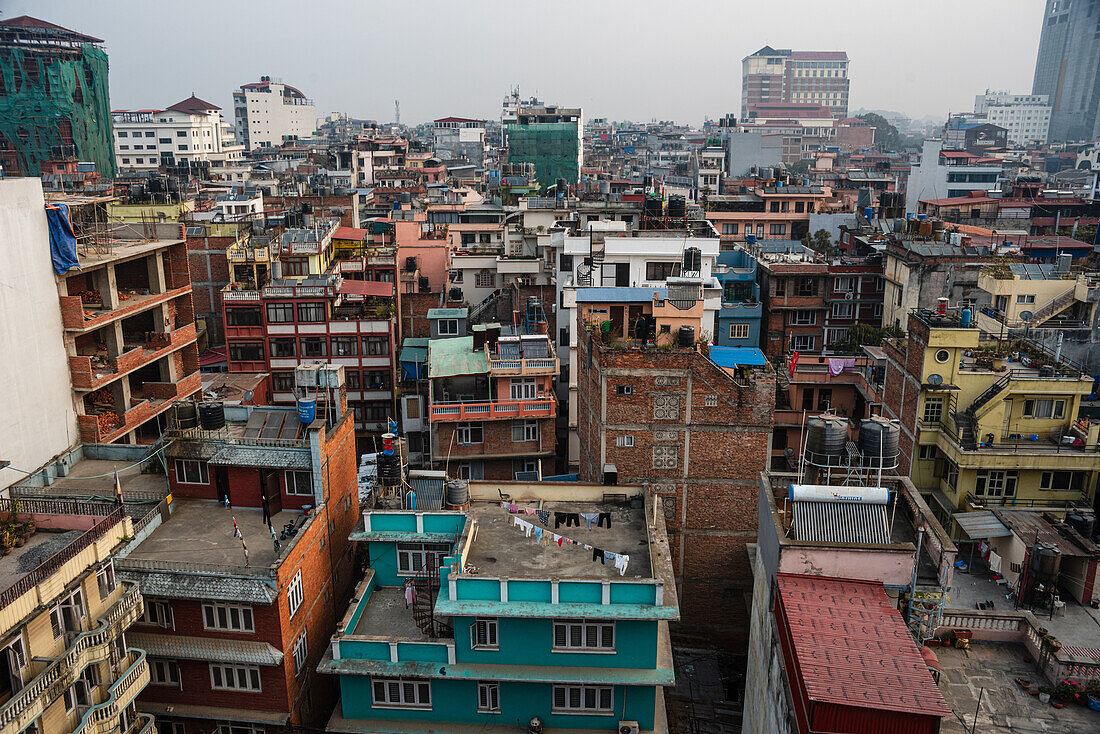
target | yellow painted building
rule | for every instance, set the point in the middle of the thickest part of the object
(987, 422)
(149, 212)
(63, 615)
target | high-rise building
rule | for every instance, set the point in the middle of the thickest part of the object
(773, 76)
(1067, 69)
(1026, 117)
(549, 137)
(188, 131)
(268, 113)
(53, 98)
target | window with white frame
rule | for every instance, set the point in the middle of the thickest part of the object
(803, 342)
(1044, 408)
(164, 672)
(843, 310)
(990, 483)
(1064, 481)
(448, 327)
(579, 634)
(415, 556)
(488, 697)
(105, 579)
(189, 471)
(485, 279)
(739, 331)
(67, 614)
(523, 388)
(803, 318)
(525, 430)
(16, 655)
(299, 482)
(1025, 298)
(301, 653)
(469, 433)
(401, 693)
(225, 677)
(157, 612)
(624, 441)
(574, 699)
(294, 596)
(483, 634)
(228, 617)
(843, 285)
(933, 410)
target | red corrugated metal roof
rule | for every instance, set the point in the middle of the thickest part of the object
(26, 21)
(852, 647)
(367, 287)
(193, 104)
(350, 233)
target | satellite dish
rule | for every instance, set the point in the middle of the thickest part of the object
(1026, 315)
(935, 379)
(247, 395)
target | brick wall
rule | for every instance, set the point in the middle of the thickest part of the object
(705, 465)
(209, 269)
(414, 314)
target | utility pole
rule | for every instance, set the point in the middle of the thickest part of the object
(397, 111)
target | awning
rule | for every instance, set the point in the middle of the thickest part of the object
(217, 713)
(737, 357)
(981, 525)
(179, 647)
(366, 288)
(273, 458)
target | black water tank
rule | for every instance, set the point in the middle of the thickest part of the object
(1082, 523)
(212, 415)
(677, 206)
(186, 416)
(307, 207)
(693, 260)
(686, 336)
(389, 470)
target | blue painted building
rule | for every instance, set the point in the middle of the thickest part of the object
(739, 318)
(509, 629)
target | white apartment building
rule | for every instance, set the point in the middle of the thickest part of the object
(455, 137)
(626, 261)
(187, 132)
(270, 113)
(943, 174)
(1026, 117)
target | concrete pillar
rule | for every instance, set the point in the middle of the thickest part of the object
(157, 282)
(112, 334)
(169, 366)
(107, 283)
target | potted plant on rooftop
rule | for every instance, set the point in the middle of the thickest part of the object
(1044, 694)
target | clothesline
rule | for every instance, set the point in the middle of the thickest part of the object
(561, 517)
(618, 560)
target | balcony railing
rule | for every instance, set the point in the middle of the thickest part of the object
(494, 409)
(101, 718)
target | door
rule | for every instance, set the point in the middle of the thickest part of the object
(221, 481)
(617, 321)
(269, 485)
(622, 275)
(636, 321)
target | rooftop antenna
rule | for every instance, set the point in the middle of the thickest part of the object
(397, 111)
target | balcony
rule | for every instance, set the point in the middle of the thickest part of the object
(235, 294)
(76, 318)
(103, 717)
(160, 343)
(494, 410)
(151, 399)
(242, 254)
(504, 367)
(88, 647)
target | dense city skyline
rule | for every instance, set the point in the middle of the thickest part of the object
(155, 57)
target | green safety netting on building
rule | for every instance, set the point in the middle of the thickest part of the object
(553, 147)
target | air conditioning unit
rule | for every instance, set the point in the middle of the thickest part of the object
(849, 296)
(628, 727)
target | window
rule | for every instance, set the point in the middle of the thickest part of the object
(1063, 481)
(311, 312)
(415, 556)
(523, 388)
(488, 697)
(806, 287)
(294, 595)
(527, 430)
(803, 342)
(401, 693)
(661, 270)
(282, 381)
(165, 140)
(125, 161)
(469, 433)
(485, 279)
(182, 147)
(124, 147)
(773, 206)
(927, 452)
(295, 266)
(148, 134)
(228, 617)
(991, 483)
(842, 310)
(799, 207)
(942, 355)
(242, 317)
(563, 337)
(624, 389)
(164, 672)
(280, 313)
(777, 230)
(412, 407)
(625, 441)
(584, 635)
(824, 398)
(246, 352)
(351, 377)
(181, 133)
(781, 286)
(842, 285)
(933, 410)
(283, 347)
(376, 345)
(345, 346)
(1045, 408)
(1025, 298)
(582, 699)
(105, 579)
(157, 612)
(189, 471)
(483, 634)
(314, 346)
(234, 677)
(739, 331)
(300, 483)
(729, 228)
(123, 134)
(448, 327)
(803, 318)
(301, 655)
(759, 230)
(565, 263)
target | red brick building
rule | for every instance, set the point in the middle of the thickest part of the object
(853, 295)
(234, 626)
(794, 302)
(700, 434)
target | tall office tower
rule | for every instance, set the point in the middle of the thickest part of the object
(772, 76)
(1067, 68)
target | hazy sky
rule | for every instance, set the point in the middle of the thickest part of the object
(642, 59)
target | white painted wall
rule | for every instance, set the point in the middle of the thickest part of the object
(37, 420)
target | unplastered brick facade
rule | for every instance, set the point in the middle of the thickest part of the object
(674, 420)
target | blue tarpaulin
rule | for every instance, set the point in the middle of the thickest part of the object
(737, 356)
(62, 239)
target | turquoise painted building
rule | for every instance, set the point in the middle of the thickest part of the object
(739, 317)
(509, 630)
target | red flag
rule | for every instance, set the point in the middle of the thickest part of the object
(794, 361)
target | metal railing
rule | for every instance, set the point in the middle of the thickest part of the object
(57, 506)
(109, 709)
(57, 560)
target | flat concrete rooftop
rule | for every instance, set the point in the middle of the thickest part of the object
(119, 249)
(201, 531)
(95, 477)
(386, 616)
(502, 549)
(35, 551)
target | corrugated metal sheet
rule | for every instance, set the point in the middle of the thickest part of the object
(179, 647)
(454, 357)
(845, 644)
(841, 522)
(280, 458)
(196, 586)
(981, 525)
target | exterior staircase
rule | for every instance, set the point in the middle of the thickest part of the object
(1053, 307)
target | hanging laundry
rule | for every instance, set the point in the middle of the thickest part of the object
(994, 562)
(590, 517)
(604, 516)
(544, 517)
(529, 511)
(410, 595)
(840, 364)
(504, 506)
(566, 518)
(586, 546)
(513, 507)
(538, 534)
(621, 562)
(558, 539)
(597, 555)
